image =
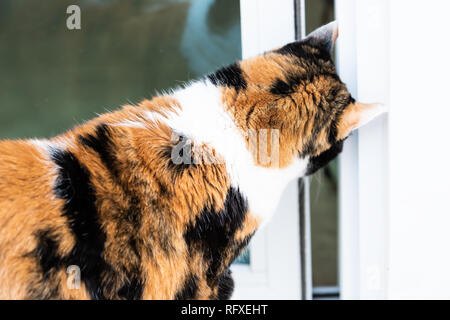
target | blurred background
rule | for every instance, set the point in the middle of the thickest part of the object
(53, 78)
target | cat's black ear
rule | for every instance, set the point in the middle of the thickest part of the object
(324, 37)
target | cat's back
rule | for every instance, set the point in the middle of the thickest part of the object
(26, 183)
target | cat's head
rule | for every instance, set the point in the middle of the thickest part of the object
(294, 94)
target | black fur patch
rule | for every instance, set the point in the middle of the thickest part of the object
(290, 86)
(47, 252)
(74, 186)
(281, 88)
(333, 132)
(133, 289)
(213, 232)
(287, 88)
(300, 50)
(230, 76)
(105, 148)
(189, 290)
(101, 143)
(226, 286)
(324, 158)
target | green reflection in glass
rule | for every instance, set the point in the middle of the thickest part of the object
(323, 192)
(53, 78)
(244, 258)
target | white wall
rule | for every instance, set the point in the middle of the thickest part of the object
(419, 157)
(363, 59)
(395, 181)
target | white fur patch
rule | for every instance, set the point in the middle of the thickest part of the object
(42, 145)
(45, 147)
(128, 124)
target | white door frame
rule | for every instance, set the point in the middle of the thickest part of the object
(363, 64)
(274, 270)
(394, 209)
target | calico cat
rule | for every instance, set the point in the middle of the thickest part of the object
(155, 201)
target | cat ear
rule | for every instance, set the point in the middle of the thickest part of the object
(325, 36)
(356, 115)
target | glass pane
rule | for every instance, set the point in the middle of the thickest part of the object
(324, 207)
(244, 258)
(53, 78)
